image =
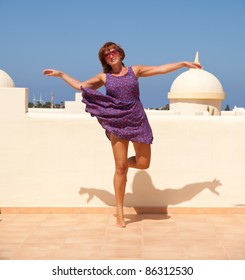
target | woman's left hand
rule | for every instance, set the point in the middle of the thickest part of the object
(193, 65)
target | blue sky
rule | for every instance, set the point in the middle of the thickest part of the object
(67, 35)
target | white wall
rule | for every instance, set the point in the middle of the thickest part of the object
(63, 159)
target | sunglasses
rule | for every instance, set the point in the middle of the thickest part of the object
(111, 53)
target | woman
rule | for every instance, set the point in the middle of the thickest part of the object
(120, 111)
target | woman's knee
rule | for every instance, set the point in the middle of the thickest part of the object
(121, 169)
(143, 163)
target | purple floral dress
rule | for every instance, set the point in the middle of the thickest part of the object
(120, 111)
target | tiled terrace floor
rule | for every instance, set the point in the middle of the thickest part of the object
(147, 236)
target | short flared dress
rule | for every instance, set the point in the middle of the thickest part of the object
(120, 110)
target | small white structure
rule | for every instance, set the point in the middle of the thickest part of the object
(196, 92)
(13, 101)
(6, 80)
(75, 107)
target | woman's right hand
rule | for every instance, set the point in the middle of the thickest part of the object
(52, 72)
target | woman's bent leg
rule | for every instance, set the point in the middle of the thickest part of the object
(142, 157)
(120, 151)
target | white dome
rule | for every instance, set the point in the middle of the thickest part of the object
(196, 81)
(6, 80)
(196, 92)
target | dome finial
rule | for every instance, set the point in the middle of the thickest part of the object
(197, 58)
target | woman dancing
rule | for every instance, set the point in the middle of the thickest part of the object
(120, 111)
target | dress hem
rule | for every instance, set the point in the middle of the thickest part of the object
(107, 133)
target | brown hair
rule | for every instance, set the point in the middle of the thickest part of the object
(107, 46)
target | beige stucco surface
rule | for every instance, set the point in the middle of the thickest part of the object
(62, 158)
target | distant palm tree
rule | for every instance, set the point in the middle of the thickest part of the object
(47, 104)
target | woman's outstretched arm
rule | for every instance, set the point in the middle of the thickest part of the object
(147, 71)
(94, 83)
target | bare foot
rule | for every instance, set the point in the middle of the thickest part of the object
(121, 224)
(120, 220)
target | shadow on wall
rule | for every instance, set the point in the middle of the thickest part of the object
(145, 194)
